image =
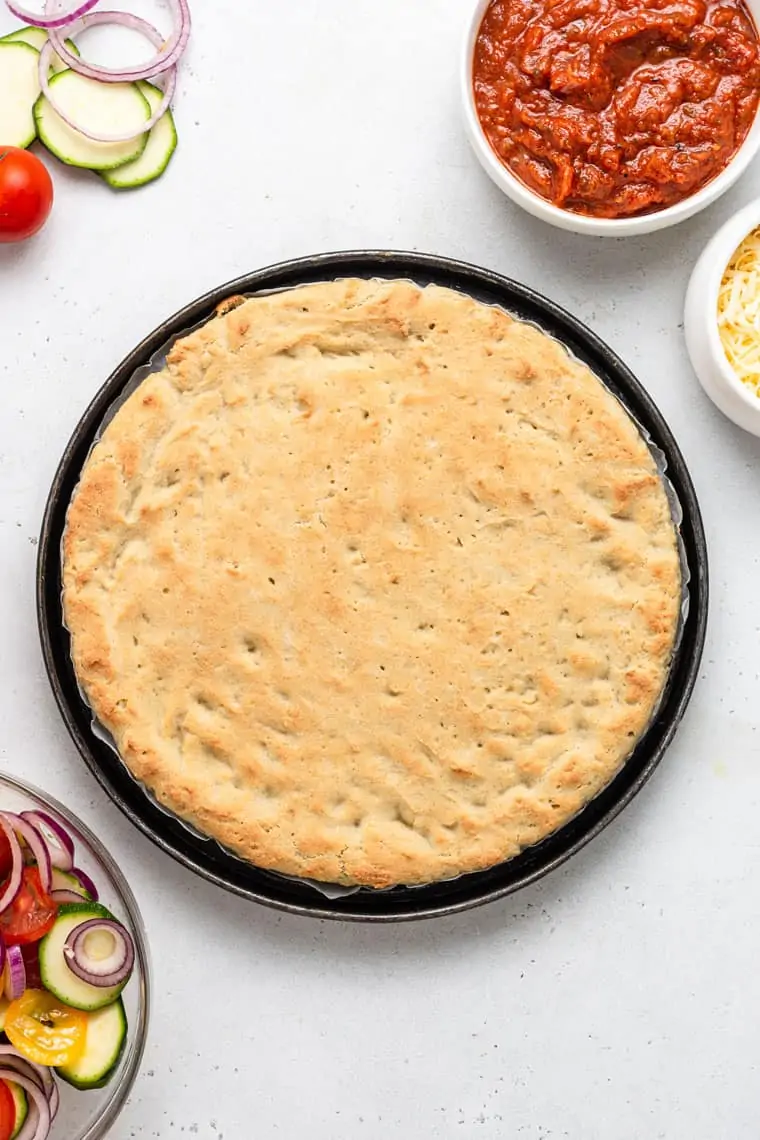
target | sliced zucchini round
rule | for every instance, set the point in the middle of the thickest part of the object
(19, 89)
(63, 881)
(54, 971)
(103, 1047)
(21, 1104)
(34, 37)
(103, 107)
(162, 143)
(37, 38)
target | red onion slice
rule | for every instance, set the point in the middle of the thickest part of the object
(37, 1124)
(86, 881)
(170, 86)
(42, 818)
(59, 843)
(15, 973)
(110, 969)
(3, 957)
(63, 897)
(36, 844)
(40, 1074)
(48, 19)
(13, 885)
(54, 1100)
(48, 1083)
(169, 50)
(11, 1058)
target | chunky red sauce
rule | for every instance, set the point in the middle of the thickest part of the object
(616, 107)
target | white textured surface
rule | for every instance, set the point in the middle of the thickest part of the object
(617, 1000)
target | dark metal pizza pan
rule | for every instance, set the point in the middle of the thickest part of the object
(204, 856)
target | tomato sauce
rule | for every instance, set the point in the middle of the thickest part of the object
(614, 108)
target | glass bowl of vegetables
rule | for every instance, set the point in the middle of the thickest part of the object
(75, 974)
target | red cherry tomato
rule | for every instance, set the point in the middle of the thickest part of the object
(31, 914)
(6, 861)
(31, 955)
(7, 1112)
(26, 194)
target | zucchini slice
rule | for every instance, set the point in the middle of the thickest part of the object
(162, 143)
(21, 1103)
(37, 38)
(106, 107)
(34, 37)
(19, 89)
(62, 881)
(103, 1047)
(54, 971)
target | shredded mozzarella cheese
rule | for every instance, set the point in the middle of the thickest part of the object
(739, 311)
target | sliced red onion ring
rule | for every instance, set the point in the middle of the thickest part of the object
(15, 973)
(12, 1059)
(48, 1083)
(59, 843)
(54, 18)
(63, 897)
(170, 86)
(3, 957)
(169, 52)
(109, 969)
(13, 884)
(37, 1124)
(54, 1097)
(40, 1074)
(36, 844)
(86, 881)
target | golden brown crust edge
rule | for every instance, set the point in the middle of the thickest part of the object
(559, 404)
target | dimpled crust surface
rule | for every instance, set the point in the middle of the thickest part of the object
(373, 584)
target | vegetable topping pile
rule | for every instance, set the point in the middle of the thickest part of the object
(64, 961)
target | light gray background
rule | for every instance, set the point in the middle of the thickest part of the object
(618, 1000)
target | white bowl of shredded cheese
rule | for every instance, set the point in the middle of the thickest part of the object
(722, 319)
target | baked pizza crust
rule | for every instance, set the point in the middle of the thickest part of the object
(372, 584)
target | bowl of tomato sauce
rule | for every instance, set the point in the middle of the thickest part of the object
(75, 974)
(613, 117)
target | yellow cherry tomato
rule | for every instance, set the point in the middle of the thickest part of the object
(45, 1030)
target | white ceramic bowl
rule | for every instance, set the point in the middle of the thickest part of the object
(577, 223)
(708, 359)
